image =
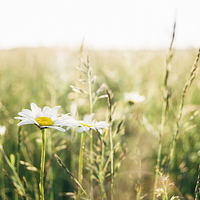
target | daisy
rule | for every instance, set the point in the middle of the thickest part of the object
(88, 124)
(46, 118)
(133, 97)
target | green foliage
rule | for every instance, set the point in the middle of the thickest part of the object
(44, 76)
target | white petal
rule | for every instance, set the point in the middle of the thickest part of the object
(54, 114)
(83, 128)
(68, 128)
(46, 111)
(101, 124)
(57, 128)
(88, 118)
(80, 129)
(27, 113)
(36, 110)
(20, 118)
(23, 122)
(66, 121)
(100, 130)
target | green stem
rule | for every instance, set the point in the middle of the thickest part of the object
(101, 171)
(163, 119)
(42, 166)
(91, 135)
(157, 170)
(2, 175)
(166, 95)
(18, 156)
(91, 163)
(80, 172)
(51, 172)
(193, 74)
(112, 162)
(160, 145)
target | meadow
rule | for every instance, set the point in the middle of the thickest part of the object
(157, 138)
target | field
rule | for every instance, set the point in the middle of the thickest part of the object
(155, 139)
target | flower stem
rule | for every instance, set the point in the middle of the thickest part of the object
(101, 171)
(80, 172)
(112, 162)
(42, 166)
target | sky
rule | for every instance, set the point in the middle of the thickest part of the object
(104, 24)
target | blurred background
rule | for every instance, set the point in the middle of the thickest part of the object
(41, 46)
(110, 24)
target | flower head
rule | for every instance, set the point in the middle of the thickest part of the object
(88, 124)
(133, 97)
(2, 130)
(46, 118)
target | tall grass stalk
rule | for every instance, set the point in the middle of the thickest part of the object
(72, 176)
(91, 135)
(193, 74)
(101, 169)
(166, 94)
(74, 112)
(89, 73)
(110, 109)
(2, 189)
(20, 189)
(112, 162)
(18, 155)
(42, 165)
(80, 171)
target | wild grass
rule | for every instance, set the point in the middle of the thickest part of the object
(121, 163)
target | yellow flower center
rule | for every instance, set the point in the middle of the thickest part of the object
(44, 121)
(86, 124)
(131, 102)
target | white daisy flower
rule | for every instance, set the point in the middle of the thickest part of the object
(88, 124)
(2, 130)
(46, 118)
(133, 97)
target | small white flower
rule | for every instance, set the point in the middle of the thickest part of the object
(46, 118)
(88, 124)
(133, 97)
(2, 130)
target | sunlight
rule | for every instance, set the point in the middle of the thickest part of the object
(107, 24)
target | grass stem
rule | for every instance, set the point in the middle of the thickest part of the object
(2, 191)
(112, 162)
(80, 171)
(166, 94)
(22, 190)
(91, 135)
(192, 76)
(42, 165)
(101, 170)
